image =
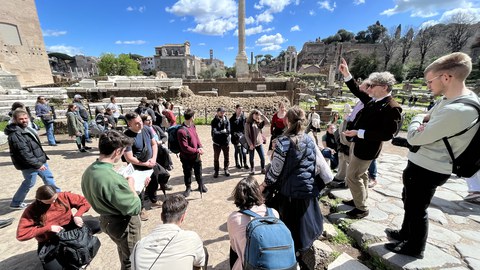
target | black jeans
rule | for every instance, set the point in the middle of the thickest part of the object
(420, 185)
(151, 189)
(187, 166)
(240, 155)
(216, 155)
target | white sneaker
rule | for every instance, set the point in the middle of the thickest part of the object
(20, 207)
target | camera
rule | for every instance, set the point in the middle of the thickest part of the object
(402, 142)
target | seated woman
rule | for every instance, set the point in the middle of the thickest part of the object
(101, 120)
(49, 214)
(110, 118)
(246, 195)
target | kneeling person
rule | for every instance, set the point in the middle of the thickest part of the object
(168, 246)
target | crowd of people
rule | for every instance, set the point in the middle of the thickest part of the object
(298, 170)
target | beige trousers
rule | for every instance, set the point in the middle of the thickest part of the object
(357, 179)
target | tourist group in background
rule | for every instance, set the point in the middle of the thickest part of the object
(299, 168)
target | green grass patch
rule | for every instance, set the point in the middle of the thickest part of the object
(341, 238)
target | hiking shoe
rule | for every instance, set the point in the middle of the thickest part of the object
(238, 166)
(263, 171)
(348, 202)
(156, 204)
(19, 207)
(227, 173)
(187, 191)
(404, 249)
(336, 184)
(394, 234)
(203, 189)
(215, 175)
(246, 167)
(143, 215)
(88, 148)
(356, 213)
(82, 150)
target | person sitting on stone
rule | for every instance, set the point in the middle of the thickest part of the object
(330, 146)
(246, 195)
(168, 246)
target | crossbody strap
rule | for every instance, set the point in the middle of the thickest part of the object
(162, 251)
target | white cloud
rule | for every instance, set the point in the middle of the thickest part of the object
(70, 50)
(130, 42)
(201, 44)
(172, 21)
(257, 6)
(276, 6)
(425, 8)
(358, 2)
(212, 17)
(311, 12)
(428, 24)
(53, 33)
(249, 20)
(264, 17)
(471, 13)
(139, 9)
(295, 28)
(230, 48)
(255, 30)
(326, 5)
(270, 42)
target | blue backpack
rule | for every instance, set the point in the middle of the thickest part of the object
(269, 243)
(173, 144)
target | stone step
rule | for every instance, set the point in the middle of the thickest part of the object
(346, 262)
(48, 91)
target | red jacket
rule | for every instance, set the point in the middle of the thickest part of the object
(189, 142)
(55, 215)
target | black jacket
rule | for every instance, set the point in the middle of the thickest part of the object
(25, 148)
(378, 119)
(237, 127)
(220, 131)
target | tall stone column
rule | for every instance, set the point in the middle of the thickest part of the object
(290, 63)
(286, 57)
(241, 61)
(295, 62)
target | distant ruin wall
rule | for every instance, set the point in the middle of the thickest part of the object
(224, 88)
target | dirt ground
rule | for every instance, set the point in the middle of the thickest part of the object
(207, 216)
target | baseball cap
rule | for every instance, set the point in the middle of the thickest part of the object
(221, 109)
(77, 96)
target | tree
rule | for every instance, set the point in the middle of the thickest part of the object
(345, 35)
(459, 30)
(268, 58)
(375, 32)
(406, 43)
(212, 73)
(361, 37)
(389, 42)
(426, 38)
(123, 65)
(363, 65)
(231, 72)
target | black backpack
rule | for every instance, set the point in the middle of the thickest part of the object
(173, 144)
(77, 247)
(468, 162)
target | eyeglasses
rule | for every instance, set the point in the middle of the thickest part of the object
(374, 85)
(148, 120)
(434, 78)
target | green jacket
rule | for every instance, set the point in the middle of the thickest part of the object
(108, 192)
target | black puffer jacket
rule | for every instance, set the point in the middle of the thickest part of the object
(25, 148)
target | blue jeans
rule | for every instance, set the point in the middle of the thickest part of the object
(87, 132)
(333, 158)
(372, 170)
(260, 154)
(30, 176)
(50, 135)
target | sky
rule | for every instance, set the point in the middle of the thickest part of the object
(95, 27)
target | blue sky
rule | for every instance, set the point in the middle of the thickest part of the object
(93, 27)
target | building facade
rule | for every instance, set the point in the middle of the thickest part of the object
(176, 61)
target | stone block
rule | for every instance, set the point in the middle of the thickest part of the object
(123, 83)
(318, 256)
(105, 84)
(261, 87)
(88, 83)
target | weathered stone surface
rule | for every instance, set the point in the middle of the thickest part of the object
(437, 215)
(366, 231)
(434, 258)
(442, 236)
(328, 229)
(473, 263)
(345, 262)
(390, 208)
(318, 256)
(469, 234)
(468, 250)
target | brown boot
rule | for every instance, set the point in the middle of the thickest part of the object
(143, 215)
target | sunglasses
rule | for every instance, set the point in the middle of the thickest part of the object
(374, 85)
